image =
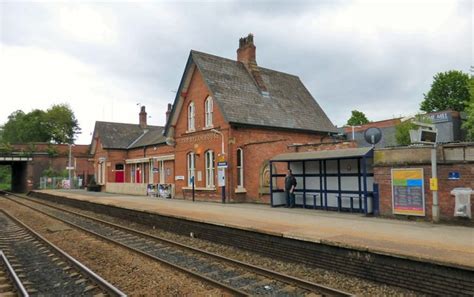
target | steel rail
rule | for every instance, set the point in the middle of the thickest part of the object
(234, 291)
(105, 285)
(13, 277)
(304, 284)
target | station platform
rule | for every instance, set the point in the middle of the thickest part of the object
(434, 243)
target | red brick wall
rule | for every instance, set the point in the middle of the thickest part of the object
(382, 176)
(199, 141)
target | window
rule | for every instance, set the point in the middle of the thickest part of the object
(132, 173)
(208, 106)
(191, 167)
(240, 168)
(101, 173)
(151, 172)
(209, 169)
(191, 116)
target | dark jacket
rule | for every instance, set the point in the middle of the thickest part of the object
(289, 182)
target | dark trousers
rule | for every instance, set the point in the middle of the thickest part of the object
(290, 199)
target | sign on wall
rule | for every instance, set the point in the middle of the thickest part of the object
(408, 196)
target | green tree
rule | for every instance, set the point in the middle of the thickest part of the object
(357, 118)
(58, 124)
(62, 124)
(402, 132)
(449, 90)
(24, 128)
(469, 123)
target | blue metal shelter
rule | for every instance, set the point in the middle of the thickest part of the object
(340, 180)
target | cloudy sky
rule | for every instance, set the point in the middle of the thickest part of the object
(104, 58)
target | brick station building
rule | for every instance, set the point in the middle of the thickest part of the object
(231, 112)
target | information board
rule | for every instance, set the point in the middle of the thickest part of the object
(408, 196)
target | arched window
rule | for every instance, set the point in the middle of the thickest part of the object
(191, 167)
(191, 111)
(240, 168)
(208, 107)
(210, 169)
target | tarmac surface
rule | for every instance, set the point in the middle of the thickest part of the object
(435, 243)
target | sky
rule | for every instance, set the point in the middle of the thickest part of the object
(107, 58)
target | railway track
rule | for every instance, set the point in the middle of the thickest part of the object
(233, 276)
(10, 284)
(42, 269)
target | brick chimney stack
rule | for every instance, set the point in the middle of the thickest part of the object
(168, 111)
(247, 50)
(142, 115)
(246, 54)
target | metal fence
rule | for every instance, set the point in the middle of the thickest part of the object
(60, 183)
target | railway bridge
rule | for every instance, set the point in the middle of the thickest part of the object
(19, 163)
(29, 162)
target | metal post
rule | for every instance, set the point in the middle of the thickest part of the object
(271, 185)
(434, 175)
(69, 167)
(223, 154)
(192, 183)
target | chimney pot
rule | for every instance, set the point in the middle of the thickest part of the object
(247, 51)
(142, 118)
(246, 54)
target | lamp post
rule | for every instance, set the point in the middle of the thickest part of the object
(222, 138)
(223, 168)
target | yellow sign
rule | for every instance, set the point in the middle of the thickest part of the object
(408, 174)
(221, 158)
(433, 184)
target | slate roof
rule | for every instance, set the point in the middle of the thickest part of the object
(289, 104)
(127, 136)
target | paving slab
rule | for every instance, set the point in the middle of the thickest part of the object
(436, 243)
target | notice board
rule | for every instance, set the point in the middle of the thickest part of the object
(408, 195)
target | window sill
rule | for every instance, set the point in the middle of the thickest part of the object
(199, 188)
(208, 128)
(190, 131)
(240, 190)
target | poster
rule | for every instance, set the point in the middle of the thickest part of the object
(408, 196)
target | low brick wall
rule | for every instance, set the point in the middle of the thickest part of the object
(126, 188)
(424, 277)
(387, 159)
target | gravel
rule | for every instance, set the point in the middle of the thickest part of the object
(131, 273)
(351, 284)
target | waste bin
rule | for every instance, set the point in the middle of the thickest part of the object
(462, 206)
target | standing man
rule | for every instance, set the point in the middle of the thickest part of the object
(290, 185)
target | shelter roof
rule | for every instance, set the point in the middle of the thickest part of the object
(325, 154)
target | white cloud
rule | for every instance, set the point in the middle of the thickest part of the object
(103, 58)
(85, 24)
(34, 78)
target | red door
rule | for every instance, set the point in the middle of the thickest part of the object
(137, 176)
(119, 176)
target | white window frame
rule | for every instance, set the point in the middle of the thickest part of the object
(210, 169)
(240, 168)
(151, 178)
(208, 107)
(132, 173)
(191, 116)
(101, 173)
(191, 165)
(162, 172)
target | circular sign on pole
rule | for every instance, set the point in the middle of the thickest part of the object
(373, 135)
